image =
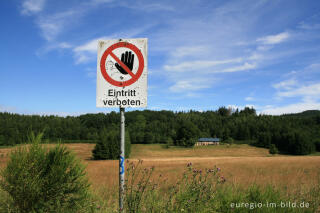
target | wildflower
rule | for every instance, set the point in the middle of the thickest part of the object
(218, 169)
(222, 179)
(189, 164)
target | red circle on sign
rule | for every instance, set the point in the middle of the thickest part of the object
(109, 52)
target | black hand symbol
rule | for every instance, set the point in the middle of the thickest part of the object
(128, 59)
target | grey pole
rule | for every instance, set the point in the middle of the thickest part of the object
(121, 160)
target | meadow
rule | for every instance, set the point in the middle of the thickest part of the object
(242, 166)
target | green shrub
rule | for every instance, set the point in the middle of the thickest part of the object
(187, 134)
(108, 145)
(40, 180)
(273, 149)
(229, 140)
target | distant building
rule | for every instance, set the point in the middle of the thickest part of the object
(207, 141)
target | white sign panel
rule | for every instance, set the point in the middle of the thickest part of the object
(122, 73)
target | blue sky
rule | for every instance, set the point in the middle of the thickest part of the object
(202, 54)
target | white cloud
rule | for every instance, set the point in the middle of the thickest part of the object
(60, 46)
(315, 66)
(309, 26)
(199, 64)
(97, 2)
(264, 47)
(90, 46)
(249, 98)
(191, 85)
(287, 84)
(255, 56)
(87, 51)
(82, 58)
(32, 6)
(245, 66)
(189, 51)
(291, 108)
(274, 39)
(49, 29)
(52, 25)
(308, 92)
(148, 7)
(64, 45)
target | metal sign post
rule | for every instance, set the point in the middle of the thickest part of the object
(121, 160)
(122, 82)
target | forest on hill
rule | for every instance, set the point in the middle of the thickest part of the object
(292, 134)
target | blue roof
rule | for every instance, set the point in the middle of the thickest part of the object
(209, 139)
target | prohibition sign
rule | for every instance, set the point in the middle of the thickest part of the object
(134, 77)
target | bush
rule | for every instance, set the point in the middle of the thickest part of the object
(187, 134)
(108, 145)
(229, 140)
(273, 149)
(40, 180)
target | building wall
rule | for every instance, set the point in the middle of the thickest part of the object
(206, 143)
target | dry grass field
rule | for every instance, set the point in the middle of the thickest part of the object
(240, 164)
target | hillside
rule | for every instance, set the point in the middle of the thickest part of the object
(307, 113)
(293, 134)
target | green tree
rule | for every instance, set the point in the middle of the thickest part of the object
(223, 111)
(301, 144)
(148, 138)
(187, 134)
(38, 180)
(273, 149)
(108, 145)
(229, 140)
(248, 111)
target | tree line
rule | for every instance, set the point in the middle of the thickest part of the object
(293, 133)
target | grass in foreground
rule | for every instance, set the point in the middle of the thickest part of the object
(205, 190)
(245, 169)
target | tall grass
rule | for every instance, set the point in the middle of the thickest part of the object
(205, 191)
